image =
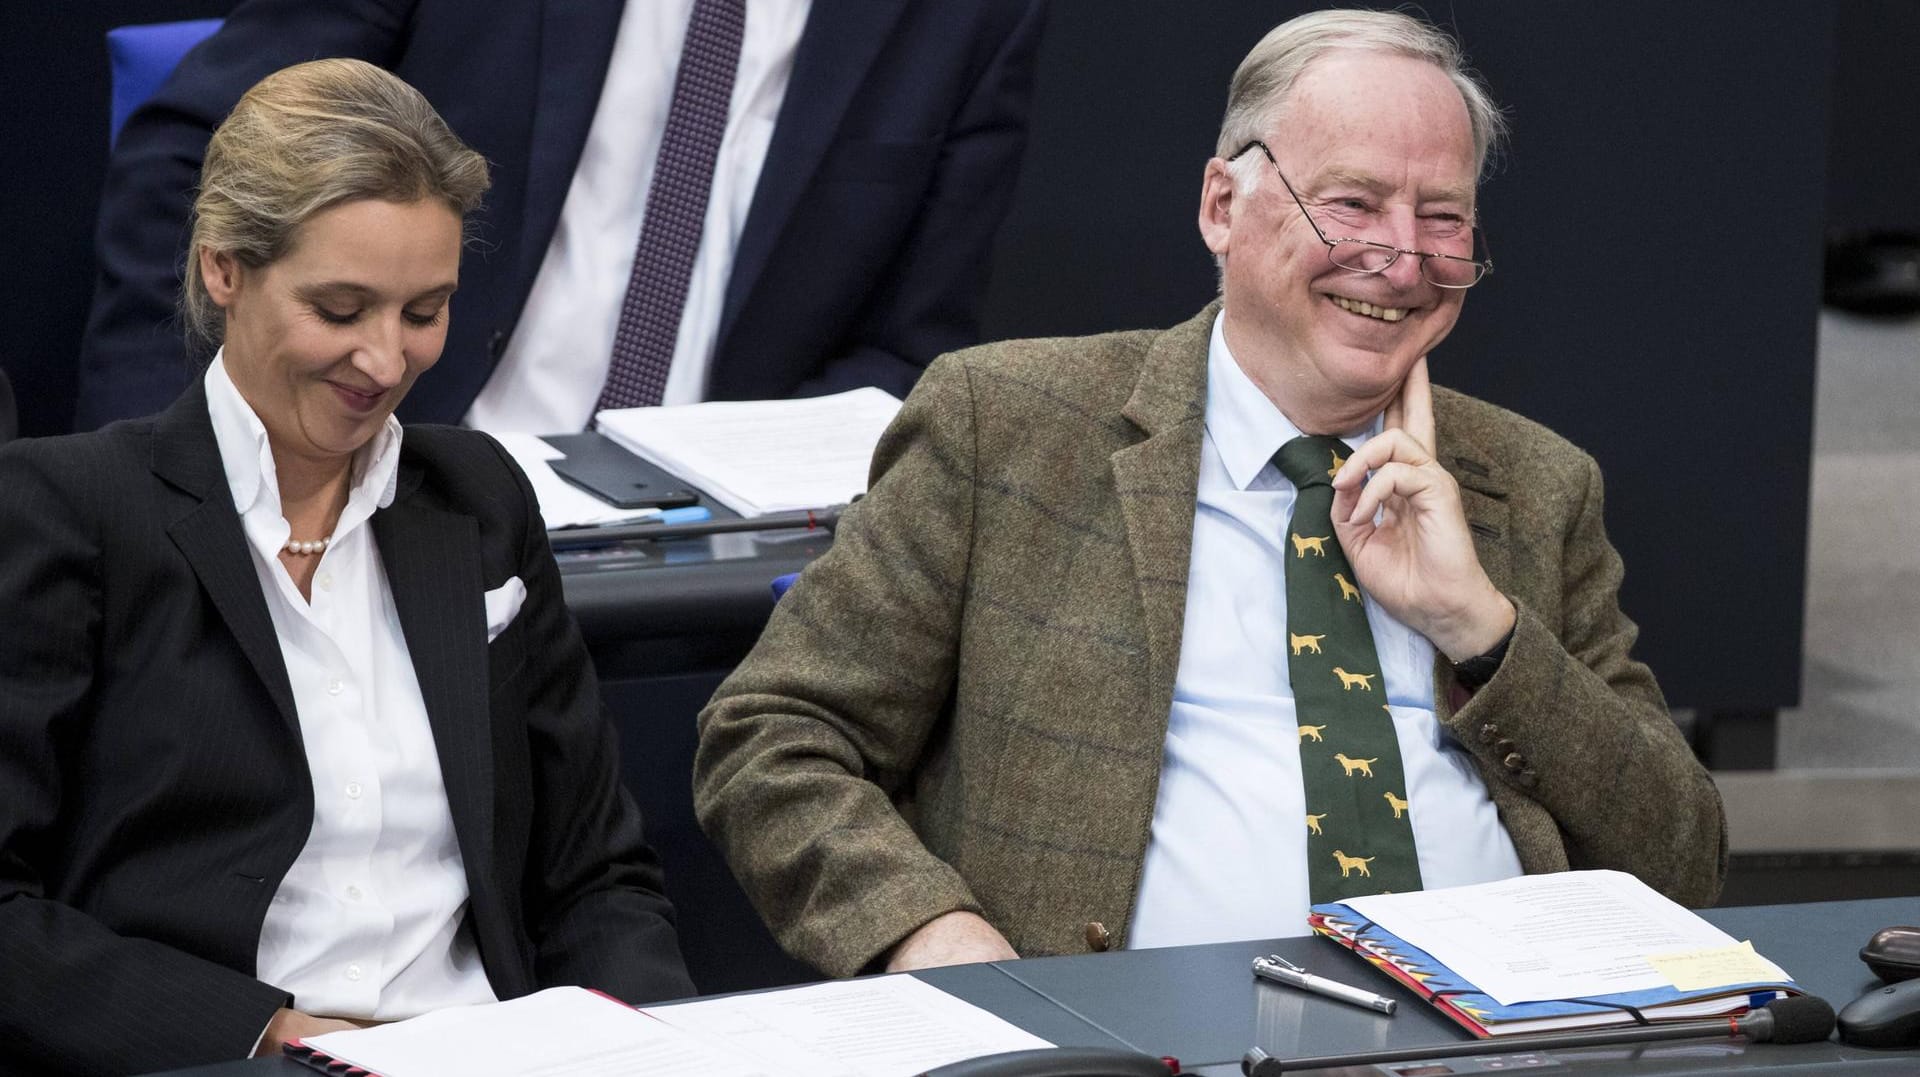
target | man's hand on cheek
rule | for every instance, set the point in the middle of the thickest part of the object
(1399, 518)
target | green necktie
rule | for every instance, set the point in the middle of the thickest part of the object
(1359, 828)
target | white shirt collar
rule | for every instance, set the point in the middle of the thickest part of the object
(247, 456)
(1246, 427)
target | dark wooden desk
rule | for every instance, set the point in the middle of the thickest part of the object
(1201, 1005)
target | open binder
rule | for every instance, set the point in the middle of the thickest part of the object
(1484, 1016)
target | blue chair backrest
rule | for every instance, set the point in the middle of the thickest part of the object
(141, 58)
(781, 583)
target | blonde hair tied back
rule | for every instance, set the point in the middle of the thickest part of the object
(305, 139)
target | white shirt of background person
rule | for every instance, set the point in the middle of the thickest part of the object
(550, 375)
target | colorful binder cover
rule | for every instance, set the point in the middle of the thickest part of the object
(309, 1056)
(1481, 1015)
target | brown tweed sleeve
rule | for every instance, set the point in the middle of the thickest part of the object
(804, 748)
(1573, 723)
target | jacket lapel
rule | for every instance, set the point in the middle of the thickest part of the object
(1483, 494)
(576, 46)
(206, 529)
(1483, 497)
(837, 47)
(432, 560)
(1157, 481)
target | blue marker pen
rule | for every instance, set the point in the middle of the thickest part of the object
(692, 514)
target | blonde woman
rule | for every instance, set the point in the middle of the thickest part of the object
(295, 730)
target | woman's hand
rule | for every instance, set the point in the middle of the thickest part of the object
(292, 1025)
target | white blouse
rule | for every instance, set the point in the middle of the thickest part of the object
(370, 921)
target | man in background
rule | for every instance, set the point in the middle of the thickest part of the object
(1161, 637)
(697, 199)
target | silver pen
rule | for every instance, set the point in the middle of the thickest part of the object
(1280, 970)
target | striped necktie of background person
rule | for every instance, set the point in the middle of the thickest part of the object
(676, 210)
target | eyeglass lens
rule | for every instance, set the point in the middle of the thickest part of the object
(1370, 258)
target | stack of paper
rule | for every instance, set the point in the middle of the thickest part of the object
(1576, 949)
(762, 456)
(889, 1026)
(562, 1031)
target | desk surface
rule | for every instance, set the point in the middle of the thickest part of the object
(1201, 1004)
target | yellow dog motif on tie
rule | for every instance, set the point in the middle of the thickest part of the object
(1347, 590)
(1334, 471)
(1399, 805)
(1364, 766)
(1348, 680)
(1311, 732)
(1302, 543)
(1313, 822)
(1351, 864)
(1305, 643)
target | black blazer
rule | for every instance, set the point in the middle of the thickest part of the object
(864, 254)
(153, 785)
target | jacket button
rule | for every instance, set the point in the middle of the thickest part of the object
(1097, 938)
(1514, 762)
(1489, 733)
(1504, 746)
(496, 343)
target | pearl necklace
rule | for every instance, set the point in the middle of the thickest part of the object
(318, 545)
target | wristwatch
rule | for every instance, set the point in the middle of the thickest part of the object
(1475, 672)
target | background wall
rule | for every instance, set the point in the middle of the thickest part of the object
(1656, 226)
(1874, 169)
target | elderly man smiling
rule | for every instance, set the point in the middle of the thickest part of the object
(1158, 637)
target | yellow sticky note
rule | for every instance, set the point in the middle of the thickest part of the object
(1699, 970)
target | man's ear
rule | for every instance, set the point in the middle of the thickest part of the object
(1217, 203)
(220, 272)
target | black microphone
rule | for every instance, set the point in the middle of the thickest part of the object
(1797, 1019)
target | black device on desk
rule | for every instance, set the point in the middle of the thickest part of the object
(617, 476)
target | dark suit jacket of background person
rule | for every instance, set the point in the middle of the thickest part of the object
(963, 704)
(864, 254)
(156, 787)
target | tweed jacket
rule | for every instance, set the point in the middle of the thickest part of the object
(963, 704)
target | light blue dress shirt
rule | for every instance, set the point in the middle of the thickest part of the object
(1227, 858)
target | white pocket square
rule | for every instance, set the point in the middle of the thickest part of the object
(503, 605)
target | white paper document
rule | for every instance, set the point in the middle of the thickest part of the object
(888, 1026)
(562, 504)
(561, 1031)
(1564, 935)
(762, 456)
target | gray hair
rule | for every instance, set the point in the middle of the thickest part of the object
(308, 138)
(1266, 77)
